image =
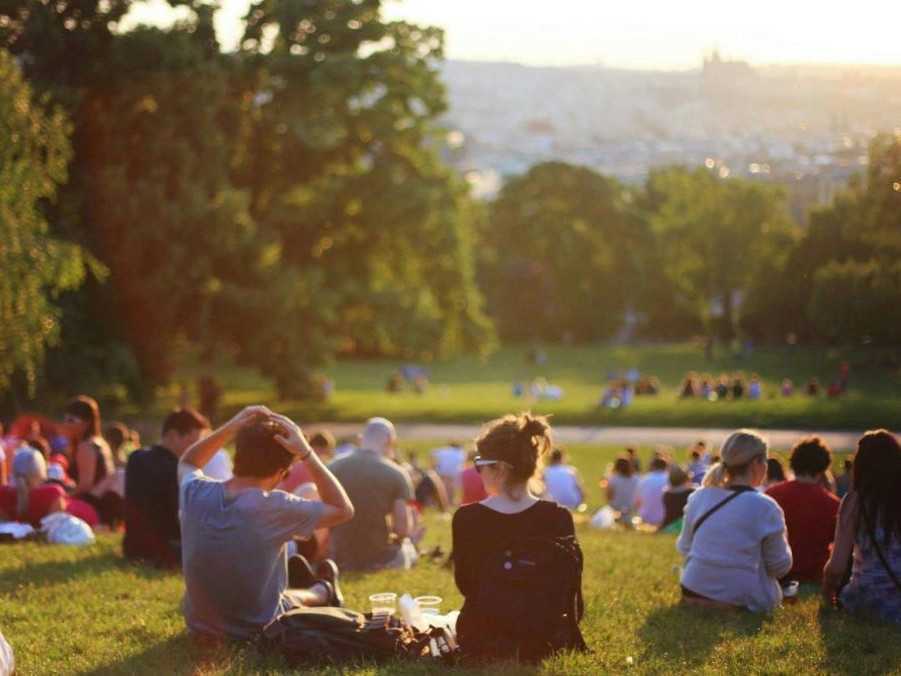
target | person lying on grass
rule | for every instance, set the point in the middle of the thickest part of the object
(733, 537)
(237, 573)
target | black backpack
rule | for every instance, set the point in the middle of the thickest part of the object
(528, 602)
(338, 635)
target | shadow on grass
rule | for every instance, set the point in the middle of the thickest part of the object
(688, 635)
(51, 573)
(858, 645)
(176, 655)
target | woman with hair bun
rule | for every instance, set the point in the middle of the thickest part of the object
(868, 534)
(733, 537)
(509, 452)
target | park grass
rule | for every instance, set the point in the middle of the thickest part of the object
(470, 389)
(86, 611)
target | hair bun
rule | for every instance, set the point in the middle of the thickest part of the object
(534, 426)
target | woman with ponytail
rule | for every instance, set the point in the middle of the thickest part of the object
(29, 500)
(733, 537)
(510, 451)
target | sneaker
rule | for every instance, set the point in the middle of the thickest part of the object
(327, 571)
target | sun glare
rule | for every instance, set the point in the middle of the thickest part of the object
(649, 34)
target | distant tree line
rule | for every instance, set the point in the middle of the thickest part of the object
(568, 253)
(287, 203)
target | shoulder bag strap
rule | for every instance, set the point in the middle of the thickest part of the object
(735, 493)
(871, 531)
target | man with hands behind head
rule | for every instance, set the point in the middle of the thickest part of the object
(234, 533)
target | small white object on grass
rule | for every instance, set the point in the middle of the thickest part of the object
(630, 660)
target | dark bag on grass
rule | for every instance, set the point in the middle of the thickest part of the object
(529, 600)
(338, 635)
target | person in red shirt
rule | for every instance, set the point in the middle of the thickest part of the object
(471, 482)
(810, 510)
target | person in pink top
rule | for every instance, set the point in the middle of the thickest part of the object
(471, 482)
(324, 444)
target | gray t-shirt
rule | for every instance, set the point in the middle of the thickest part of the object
(373, 484)
(234, 557)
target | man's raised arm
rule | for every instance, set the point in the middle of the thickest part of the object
(337, 506)
(201, 451)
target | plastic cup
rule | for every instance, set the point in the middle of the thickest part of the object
(429, 605)
(383, 604)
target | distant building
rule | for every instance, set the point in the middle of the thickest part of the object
(721, 77)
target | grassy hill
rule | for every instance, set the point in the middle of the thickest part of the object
(469, 389)
(85, 611)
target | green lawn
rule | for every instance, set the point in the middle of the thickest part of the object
(75, 611)
(468, 389)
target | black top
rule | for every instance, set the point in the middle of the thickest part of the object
(103, 466)
(480, 532)
(152, 531)
(674, 505)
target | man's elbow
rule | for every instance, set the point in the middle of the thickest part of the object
(346, 513)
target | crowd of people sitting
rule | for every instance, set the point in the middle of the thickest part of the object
(736, 386)
(308, 509)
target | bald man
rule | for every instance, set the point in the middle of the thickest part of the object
(381, 493)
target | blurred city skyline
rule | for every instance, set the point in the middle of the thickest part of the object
(644, 34)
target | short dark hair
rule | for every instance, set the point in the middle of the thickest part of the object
(258, 454)
(40, 444)
(184, 421)
(810, 456)
(116, 434)
(323, 439)
(658, 463)
(556, 456)
(623, 466)
(774, 470)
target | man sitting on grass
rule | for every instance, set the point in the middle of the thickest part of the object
(152, 533)
(234, 533)
(381, 492)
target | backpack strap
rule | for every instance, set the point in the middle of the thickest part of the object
(871, 531)
(736, 491)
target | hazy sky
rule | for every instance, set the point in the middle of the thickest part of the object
(635, 33)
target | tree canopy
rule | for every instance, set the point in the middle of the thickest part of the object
(36, 266)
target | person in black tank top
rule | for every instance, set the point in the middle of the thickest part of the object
(507, 460)
(92, 461)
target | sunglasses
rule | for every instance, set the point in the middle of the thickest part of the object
(481, 462)
(71, 419)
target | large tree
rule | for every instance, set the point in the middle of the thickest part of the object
(36, 266)
(719, 238)
(339, 157)
(851, 255)
(560, 254)
(281, 204)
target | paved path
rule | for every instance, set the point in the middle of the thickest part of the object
(641, 436)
